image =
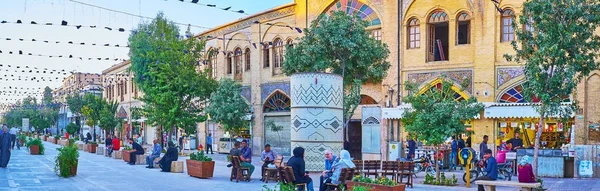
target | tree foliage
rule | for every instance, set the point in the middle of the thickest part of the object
(436, 114)
(339, 44)
(164, 65)
(41, 115)
(108, 120)
(227, 106)
(557, 49)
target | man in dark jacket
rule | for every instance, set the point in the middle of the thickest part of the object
(298, 165)
(88, 137)
(109, 145)
(170, 156)
(491, 168)
(137, 150)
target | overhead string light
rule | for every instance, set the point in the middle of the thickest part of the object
(67, 42)
(70, 56)
(228, 8)
(65, 23)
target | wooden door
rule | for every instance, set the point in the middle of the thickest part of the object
(431, 42)
(354, 140)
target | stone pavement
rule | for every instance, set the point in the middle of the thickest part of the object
(95, 172)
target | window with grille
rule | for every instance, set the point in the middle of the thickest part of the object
(508, 32)
(463, 28)
(247, 58)
(229, 60)
(238, 60)
(414, 34)
(277, 52)
(266, 56)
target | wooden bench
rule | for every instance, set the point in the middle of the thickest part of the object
(177, 166)
(491, 185)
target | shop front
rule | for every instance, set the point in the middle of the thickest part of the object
(511, 119)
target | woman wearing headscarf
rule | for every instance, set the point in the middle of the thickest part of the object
(298, 165)
(344, 161)
(526, 171)
(170, 156)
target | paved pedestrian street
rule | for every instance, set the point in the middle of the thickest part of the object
(95, 172)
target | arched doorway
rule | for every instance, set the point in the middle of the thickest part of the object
(276, 123)
(437, 36)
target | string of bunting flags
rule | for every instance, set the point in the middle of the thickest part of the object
(68, 42)
(70, 56)
(66, 24)
(228, 8)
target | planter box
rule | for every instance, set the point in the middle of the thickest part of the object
(126, 155)
(22, 142)
(45, 138)
(100, 150)
(82, 146)
(34, 149)
(91, 148)
(200, 169)
(74, 169)
(376, 187)
(117, 154)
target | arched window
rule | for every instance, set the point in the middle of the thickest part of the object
(290, 43)
(212, 62)
(247, 58)
(237, 61)
(277, 52)
(229, 62)
(367, 100)
(278, 102)
(266, 55)
(437, 45)
(513, 95)
(438, 87)
(508, 32)
(414, 33)
(463, 28)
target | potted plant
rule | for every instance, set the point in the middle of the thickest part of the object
(200, 165)
(55, 140)
(126, 153)
(91, 146)
(35, 146)
(378, 184)
(65, 163)
(22, 138)
(46, 137)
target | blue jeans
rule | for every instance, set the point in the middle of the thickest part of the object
(453, 159)
(309, 186)
(150, 160)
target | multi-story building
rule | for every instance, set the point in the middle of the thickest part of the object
(428, 40)
(119, 87)
(76, 83)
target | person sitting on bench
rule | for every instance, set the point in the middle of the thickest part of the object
(526, 171)
(170, 156)
(491, 168)
(137, 150)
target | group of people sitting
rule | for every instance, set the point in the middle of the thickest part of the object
(525, 170)
(331, 174)
(113, 144)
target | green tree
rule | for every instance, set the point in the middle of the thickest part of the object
(72, 128)
(557, 49)
(339, 44)
(108, 120)
(436, 114)
(75, 103)
(227, 106)
(91, 111)
(164, 65)
(47, 99)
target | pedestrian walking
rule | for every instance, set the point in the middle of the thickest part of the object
(5, 146)
(209, 141)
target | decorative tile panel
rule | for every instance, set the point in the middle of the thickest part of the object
(268, 89)
(504, 75)
(456, 76)
(247, 93)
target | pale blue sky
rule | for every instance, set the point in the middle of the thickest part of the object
(43, 11)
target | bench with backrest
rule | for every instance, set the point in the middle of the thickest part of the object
(490, 185)
(371, 167)
(389, 168)
(405, 169)
(343, 177)
(289, 173)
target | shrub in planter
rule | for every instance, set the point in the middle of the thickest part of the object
(35, 146)
(378, 184)
(200, 165)
(65, 163)
(443, 181)
(22, 138)
(125, 153)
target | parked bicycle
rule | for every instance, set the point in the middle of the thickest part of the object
(425, 163)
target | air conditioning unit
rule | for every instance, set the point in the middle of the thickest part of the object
(394, 151)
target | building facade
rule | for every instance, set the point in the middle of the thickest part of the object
(76, 83)
(428, 40)
(118, 86)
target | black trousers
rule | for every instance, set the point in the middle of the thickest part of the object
(209, 146)
(132, 155)
(480, 187)
(265, 165)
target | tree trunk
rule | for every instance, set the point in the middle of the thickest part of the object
(437, 164)
(536, 147)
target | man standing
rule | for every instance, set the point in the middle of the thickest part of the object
(246, 157)
(209, 143)
(412, 146)
(329, 160)
(454, 153)
(483, 146)
(137, 150)
(155, 154)
(491, 169)
(516, 142)
(109, 145)
(5, 147)
(267, 156)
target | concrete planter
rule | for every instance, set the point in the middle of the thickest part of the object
(126, 155)
(200, 169)
(117, 154)
(91, 148)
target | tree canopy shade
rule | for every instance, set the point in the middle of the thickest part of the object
(108, 120)
(338, 43)
(227, 106)
(436, 114)
(41, 115)
(557, 47)
(164, 65)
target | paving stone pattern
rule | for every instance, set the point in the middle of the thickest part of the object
(96, 172)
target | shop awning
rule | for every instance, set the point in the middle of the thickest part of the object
(511, 110)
